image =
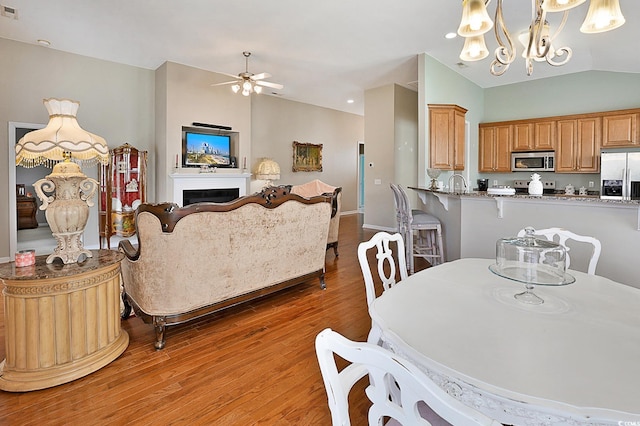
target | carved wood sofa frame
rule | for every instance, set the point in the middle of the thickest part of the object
(170, 214)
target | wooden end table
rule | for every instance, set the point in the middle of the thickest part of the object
(61, 322)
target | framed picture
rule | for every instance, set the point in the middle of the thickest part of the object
(307, 157)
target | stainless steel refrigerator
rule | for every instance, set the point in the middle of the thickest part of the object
(620, 174)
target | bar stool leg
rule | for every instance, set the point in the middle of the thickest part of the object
(440, 246)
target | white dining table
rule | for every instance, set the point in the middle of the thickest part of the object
(574, 359)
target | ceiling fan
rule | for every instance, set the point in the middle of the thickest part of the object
(249, 82)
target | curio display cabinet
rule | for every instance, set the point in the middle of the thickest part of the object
(123, 188)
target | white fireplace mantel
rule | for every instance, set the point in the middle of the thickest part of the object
(218, 180)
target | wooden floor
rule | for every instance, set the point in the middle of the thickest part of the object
(251, 364)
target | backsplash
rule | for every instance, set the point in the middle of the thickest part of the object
(578, 180)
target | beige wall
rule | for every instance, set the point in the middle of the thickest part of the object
(276, 123)
(185, 96)
(391, 144)
(116, 102)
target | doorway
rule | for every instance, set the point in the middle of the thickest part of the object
(360, 177)
(39, 237)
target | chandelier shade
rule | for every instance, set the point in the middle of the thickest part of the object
(603, 15)
(560, 5)
(475, 19)
(474, 49)
(62, 135)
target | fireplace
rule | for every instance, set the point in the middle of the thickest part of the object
(189, 188)
(217, 195)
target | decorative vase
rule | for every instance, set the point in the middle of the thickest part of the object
(535, 186)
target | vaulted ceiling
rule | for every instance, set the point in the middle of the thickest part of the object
(323, 52)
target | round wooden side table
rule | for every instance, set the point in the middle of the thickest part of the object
(61, 322)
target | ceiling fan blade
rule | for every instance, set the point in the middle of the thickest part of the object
(227, 74)
(260, 76)
(269, 84)
(226, 82)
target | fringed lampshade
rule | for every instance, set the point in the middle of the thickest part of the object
(268, 170)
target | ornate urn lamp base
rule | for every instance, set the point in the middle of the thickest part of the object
(67, 209)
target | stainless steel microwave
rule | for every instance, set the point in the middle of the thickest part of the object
(533, 161)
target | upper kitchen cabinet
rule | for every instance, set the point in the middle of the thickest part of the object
(522, 137)
(620, 130)
(494, 154)
(446, 136)
(534, 135)
(544, 135)
(578, 145)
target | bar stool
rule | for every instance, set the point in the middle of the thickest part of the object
(422, 233)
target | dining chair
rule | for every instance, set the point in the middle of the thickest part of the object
(385, 266)
(564, 235)
(420, 402)
(423, 234)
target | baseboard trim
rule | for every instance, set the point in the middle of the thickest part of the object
(379, 228)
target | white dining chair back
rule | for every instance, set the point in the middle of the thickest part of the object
(385, 369)
(562, 236)
(385, 266)
(385, 262)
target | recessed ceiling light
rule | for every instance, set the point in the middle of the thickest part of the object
(450, 35)
(350, 101)
(44, 42)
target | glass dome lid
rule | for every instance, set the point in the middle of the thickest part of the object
(531, 260)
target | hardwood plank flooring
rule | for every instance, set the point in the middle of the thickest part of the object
(250, 364)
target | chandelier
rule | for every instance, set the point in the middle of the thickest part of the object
(603, 15)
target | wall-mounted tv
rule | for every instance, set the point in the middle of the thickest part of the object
(208, 147)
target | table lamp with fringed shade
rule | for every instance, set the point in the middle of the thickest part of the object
(66, 193)
(268, 170)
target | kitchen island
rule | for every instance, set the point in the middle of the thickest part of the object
(472, 222)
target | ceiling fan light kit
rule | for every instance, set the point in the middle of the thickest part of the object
(247, 82)
(603, 15)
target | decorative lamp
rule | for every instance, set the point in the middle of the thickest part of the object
(268, 170)
(603, 15)
(67, 192)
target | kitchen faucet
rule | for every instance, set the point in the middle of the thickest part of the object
(452, 180)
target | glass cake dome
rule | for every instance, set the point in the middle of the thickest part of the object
(532, 261)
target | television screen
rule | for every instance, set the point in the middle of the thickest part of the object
(202, 149)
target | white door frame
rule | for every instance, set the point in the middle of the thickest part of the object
(13, 219)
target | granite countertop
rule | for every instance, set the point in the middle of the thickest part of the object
(550, 197)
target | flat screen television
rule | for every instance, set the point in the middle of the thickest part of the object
(203, 147)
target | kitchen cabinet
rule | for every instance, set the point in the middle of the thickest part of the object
(522, 137)
(544, 135)
(620, 130)
(495, 149)
(534, 135)
(122, 190)
(578, 145)
(446, 137)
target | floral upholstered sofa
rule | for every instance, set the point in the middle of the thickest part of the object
(204, 257)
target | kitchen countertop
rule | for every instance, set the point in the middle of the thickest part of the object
(550, 197)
